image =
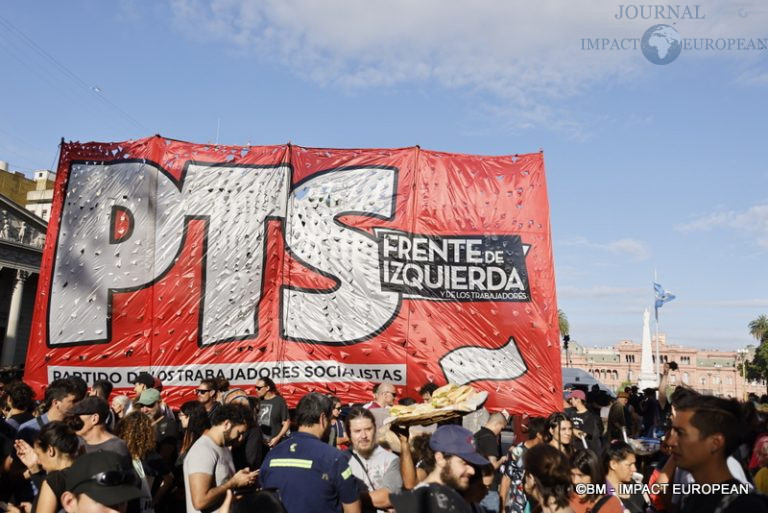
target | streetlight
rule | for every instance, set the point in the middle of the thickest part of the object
(742, 358)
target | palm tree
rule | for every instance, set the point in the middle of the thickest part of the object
(565, 328)
(758, 367)
(759, 328)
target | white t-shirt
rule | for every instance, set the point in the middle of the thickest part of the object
(205, 457)
(380, 470)
(145, 501)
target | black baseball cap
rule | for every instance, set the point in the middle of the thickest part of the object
(104, 477)
(145, 378)
(91, 405)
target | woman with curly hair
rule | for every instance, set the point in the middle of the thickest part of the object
(138, 433)
(548, 479)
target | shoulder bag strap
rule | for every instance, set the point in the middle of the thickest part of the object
(365, 469)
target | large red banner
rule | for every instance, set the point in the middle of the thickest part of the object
(323, 269)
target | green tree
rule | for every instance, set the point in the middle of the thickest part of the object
(562, 320)
(758, 367)
(759, 328)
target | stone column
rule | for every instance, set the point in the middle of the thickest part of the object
(14, 315)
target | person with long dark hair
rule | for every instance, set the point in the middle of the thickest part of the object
(585, 470)
(273, 412)
(194, 421)
(559, 432)
(547, 479)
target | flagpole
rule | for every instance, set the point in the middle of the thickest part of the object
(656, 310)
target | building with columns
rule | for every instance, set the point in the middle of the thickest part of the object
(22, 236)
(708, 371)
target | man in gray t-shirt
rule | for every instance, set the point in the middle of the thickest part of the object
(208, 468)
(376, 469)
(93, 413)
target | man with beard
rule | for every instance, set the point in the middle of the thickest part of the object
(440, 492)
(310, 475)
(166, 430)
(208, 468)
(377, 470)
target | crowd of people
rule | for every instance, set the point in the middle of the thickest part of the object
(83, 449)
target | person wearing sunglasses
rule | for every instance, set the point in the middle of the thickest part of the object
(99, 482)
(337, 436)
(90, 417)
(206, 395)
(273, 413)
(166, 430)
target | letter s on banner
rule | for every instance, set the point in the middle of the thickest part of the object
(316, 236)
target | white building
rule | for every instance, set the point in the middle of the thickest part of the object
(39, 201)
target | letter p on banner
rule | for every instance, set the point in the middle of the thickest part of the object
(322, 269)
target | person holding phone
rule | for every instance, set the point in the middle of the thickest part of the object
(209, 470)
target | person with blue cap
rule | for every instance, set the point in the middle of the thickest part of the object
(456, 461)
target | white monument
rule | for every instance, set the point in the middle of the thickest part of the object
(648, 377)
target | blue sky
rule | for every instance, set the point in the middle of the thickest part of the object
(649, 167)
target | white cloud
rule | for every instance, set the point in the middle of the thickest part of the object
(633, 248)
(528, 55)
(525, 54)
(754, 220)
(601, 291)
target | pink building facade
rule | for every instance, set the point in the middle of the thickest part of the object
(711, 372)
